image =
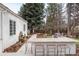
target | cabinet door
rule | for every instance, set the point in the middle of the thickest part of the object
(39, 50)
(51, 50)
(61, 51)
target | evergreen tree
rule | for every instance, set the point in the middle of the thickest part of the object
(33, 13)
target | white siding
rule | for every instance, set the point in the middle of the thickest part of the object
(0, 35)
(1, 41)
(0, 21)
(0, 25)
(5, 27)
(7, 39)
(0, 46)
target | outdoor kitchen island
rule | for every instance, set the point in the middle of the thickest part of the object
(52, 46)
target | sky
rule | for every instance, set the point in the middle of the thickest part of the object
(15, 7)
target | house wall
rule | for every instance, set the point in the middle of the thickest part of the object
(5, 31)
(6, 16)
(0, 25)
(1, 41)
(8, 39)
(0, 36)
(0, 20)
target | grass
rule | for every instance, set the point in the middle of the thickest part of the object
(77, 38)
(15, 47)
(77, 43)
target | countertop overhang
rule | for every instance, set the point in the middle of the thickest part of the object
(59, 39)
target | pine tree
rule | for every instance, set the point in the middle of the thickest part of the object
(33, 13)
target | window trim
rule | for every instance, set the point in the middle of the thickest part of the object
(12, 27)
(24, 27)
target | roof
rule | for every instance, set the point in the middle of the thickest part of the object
(10, 11)
(59, 39)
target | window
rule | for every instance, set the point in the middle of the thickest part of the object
(24, 27)
(12, 27)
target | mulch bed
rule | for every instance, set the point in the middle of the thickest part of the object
(15, 47)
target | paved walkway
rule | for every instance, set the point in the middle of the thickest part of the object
(28, 46)
(28, 51)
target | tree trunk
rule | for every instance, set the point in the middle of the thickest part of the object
(68, 32)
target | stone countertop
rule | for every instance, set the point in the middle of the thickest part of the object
(59, 39)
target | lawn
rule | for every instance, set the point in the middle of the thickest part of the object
(77, 40)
